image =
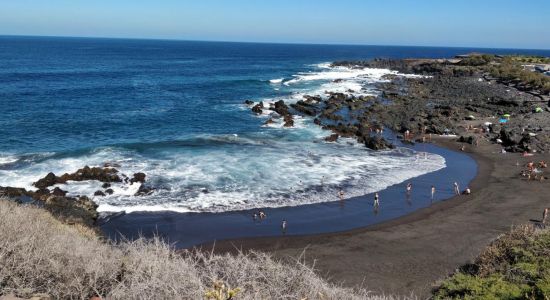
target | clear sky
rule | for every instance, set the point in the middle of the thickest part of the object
(476, 23)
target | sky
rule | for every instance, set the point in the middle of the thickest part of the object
(469, 23)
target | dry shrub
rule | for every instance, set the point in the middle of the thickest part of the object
(38, 254)
(497, 254)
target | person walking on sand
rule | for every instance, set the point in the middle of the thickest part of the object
(376, 200)
(544, 215)
(433, 191)
(457, 189)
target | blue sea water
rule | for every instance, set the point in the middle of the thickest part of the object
(174, 110)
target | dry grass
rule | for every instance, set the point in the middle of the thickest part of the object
(38, 254)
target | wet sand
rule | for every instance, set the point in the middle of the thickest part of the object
(190, 229)
(411, 253)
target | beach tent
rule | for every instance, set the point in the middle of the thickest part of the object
(507, 116)
(502, 121)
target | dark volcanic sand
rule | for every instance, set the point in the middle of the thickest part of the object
(410, 254)
(190, 229)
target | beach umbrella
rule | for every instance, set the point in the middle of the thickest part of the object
(538, 109)
(506, 115)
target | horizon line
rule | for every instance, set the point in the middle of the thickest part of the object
(258, 42)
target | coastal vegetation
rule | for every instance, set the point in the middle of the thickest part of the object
(40, 256)
(511, 70)
(515, 266)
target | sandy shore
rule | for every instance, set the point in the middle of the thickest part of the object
(190, 229)
(410, 254)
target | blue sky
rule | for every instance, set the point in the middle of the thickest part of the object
(481, 23)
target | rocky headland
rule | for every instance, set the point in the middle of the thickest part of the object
(506, 103)
(79, 209)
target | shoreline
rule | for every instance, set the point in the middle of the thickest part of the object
(411, 253)
(188, 230)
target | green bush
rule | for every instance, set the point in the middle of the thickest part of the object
(515, 266)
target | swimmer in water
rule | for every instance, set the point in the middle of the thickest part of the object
(341, 195)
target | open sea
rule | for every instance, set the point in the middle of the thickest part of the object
(174, 110)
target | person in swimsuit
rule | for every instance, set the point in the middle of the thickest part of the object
(283, 226)
(341, 195)
(457, 189)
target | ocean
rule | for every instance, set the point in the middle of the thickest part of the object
(175, 111)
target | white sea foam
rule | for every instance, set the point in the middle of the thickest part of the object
(278, 80)
(7, 159)
(276, 167)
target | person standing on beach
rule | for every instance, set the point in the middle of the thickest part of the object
(283, 226)
(433, 192)
(409, 188)
(457, 189)
(544, 215)
(376, 200)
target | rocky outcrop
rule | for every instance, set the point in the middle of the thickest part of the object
(47, 181)
(312, 99)
(144, 190)
(378, 143)
(332, 137)
(281, 108)
(305, 108)
(289, 121)
(257, 109)
(59, 192)
(11, 192)
(105, 174)
(71, 210)
(138, 177)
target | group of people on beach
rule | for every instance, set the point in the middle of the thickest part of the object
(408, 192)
(534, 171)
(260, 215)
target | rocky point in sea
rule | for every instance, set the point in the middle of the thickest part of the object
(75, 209)
(447, 92)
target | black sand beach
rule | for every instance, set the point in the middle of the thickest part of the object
(409, 255)
(192, 229)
